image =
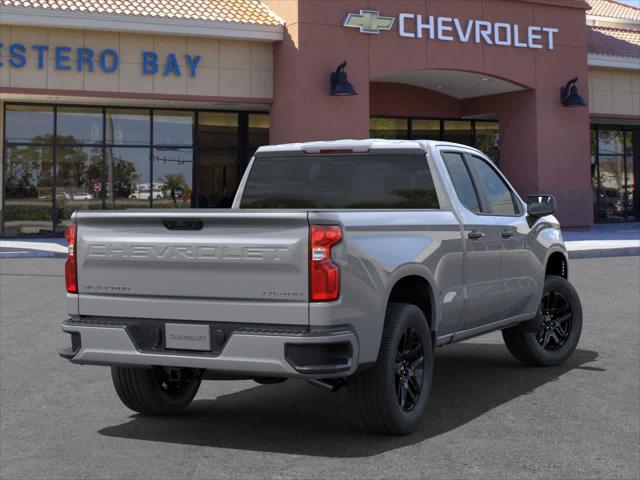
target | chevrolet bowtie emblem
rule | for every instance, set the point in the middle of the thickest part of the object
(368, 21)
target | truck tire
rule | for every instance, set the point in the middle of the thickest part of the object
(391, 398)
(553, 335)
(148, 391)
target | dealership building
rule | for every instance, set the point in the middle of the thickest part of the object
(160, 104)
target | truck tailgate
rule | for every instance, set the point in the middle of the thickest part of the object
(199, 265)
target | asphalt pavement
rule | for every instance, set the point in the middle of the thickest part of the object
(489, 417)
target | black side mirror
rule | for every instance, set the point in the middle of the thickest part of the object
(541, 205)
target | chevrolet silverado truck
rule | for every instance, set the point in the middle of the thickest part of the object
(343, 263)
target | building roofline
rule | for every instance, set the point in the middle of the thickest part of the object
(39, 17)
(612, 22)
(613, 61)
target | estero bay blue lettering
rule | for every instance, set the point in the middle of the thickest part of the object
(107, 60)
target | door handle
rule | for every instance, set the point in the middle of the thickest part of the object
(506, 233)
(475, 235)
(182, 224)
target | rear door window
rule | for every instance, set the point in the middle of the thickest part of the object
(461, 180)
(382, 181)
(497, 196)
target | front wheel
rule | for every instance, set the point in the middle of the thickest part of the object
(392, 397)
(153, 392)
(553, 335)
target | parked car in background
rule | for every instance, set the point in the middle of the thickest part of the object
(146, 195)
(78, 196)
(343, 263)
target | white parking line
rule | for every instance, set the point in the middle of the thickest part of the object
(579, 245)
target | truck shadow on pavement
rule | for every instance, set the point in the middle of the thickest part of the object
(297, 418)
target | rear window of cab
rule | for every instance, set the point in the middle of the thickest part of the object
(369, 181)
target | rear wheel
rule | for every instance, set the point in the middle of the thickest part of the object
(155, 391)
(553, 335)
(392, 397)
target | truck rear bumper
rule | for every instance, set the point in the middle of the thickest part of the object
(247, 352)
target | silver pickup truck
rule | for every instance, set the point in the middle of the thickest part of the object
(343, 263)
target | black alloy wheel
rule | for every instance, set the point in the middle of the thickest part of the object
(552, 336)
(391, 397)
(556, 324)
(409, 369)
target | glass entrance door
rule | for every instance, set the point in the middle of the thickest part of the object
(218, 169)
(615, 166)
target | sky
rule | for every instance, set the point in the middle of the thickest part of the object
(633, 3)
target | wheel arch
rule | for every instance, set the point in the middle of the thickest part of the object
(415, 286)
(557, 263)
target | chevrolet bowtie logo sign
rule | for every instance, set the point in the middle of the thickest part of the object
(452, 29)
(368, 21)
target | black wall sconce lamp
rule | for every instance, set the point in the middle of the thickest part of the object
(569, 96)
(340, 86)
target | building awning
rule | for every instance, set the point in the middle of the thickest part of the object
(238, 19)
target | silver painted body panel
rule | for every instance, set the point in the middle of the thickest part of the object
(244, 354)
(251, 266)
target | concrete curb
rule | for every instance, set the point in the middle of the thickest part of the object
(605, 252)
(30, 254)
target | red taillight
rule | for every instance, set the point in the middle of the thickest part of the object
(324, 275)
(71, 266)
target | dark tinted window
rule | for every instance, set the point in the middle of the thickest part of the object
(128, 127)
(349, 181)
(461, 181)
(496, 194)
(79, 125)
(29, 124)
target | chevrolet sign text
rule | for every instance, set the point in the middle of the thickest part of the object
(451, 29)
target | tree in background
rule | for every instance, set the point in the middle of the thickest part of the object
(173, 182)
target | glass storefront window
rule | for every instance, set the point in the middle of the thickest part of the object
(128, 127)
(481, 134)
(612, 187)
(615, 166)
(172, 177)
(78, 181)
(117, 157)
(79, 125)
(28, 177)
(29, 124)
(258, 131)
(610, 142)
(218, 169)
(633, 208)
(389, 128)
(217, 129)
(458, 131)
(172, 128)
(128, 177)
(487, 139)
(425, 129)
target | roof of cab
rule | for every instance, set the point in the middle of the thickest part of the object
(358, 145)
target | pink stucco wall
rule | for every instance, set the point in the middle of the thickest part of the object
(545, 147)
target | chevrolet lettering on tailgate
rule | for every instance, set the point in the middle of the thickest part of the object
(187, 252)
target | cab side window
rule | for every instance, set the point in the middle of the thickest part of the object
(461, 180)
(496, 195)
